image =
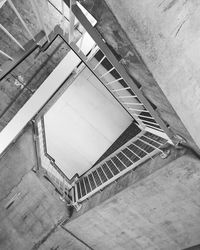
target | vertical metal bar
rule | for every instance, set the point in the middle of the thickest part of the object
(155, 128)
(142, 149)
(39, 18)
(156, 124)
(99, 177)
(109, 169)
(126, 156)
(117, 90)
(132, 103)
(149, 117)
(63, 187)
(84, 185)
(115, 81)
(94, 179)
(140, 110)
(99, 62)
(63, 17)
(107, 72)
(115, 165)
(104, 48)
(73, 193)
(133, 152)
(150, 145)
(89, 182)
(104, 172)
(121, 161)
(11, 36)
(128, 96)
(153, 140)
(6, 55)
(20, 18)
(71, 23)
(80, 189)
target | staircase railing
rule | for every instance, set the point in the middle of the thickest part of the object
(136, 151)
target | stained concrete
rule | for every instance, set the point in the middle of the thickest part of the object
(122, 24)
(29, 209)
(156, 206)
(166, 34)
(62, 240)
(159, 212)
(18, 86)
(132, 177)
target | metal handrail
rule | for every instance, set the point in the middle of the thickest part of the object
(114, 177)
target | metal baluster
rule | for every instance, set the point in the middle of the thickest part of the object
(127, 96)
(127, 157)
(154, 127)
(131, 103)
(6, 55)
(89, 183)
(140, 110)
(80, 189)
(107, 72)
(150, 144)
(115, 165)
(39, 18)
(147, 153)
(149, 117)
(99, 177)
(133, 153)
(121, 161)
(63, 17)
(99, 63)
(109, 169)
(20, 18)
(116, 90)
(11, 36)
(153, 140)
(104, 173)
(71, 23)
(94, 179)
(114, 81)
(84, 185)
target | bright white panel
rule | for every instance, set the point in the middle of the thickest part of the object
(83, 124)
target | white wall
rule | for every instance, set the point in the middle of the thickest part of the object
(83, 124)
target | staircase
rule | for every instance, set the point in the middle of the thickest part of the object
(139, 149)
(119, 88)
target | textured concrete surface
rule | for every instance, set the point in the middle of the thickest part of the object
(156, 206)
(166, 34)
(62, 240)
(18, 86)
(158, 212)
(132, 177)
(120, 24)
(29, 209)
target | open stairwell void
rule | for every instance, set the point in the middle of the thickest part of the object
(153, 133)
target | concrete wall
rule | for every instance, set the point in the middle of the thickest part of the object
(121, 27)
(158, 212)
(18, 86)
(166, 34)
(35, 209)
